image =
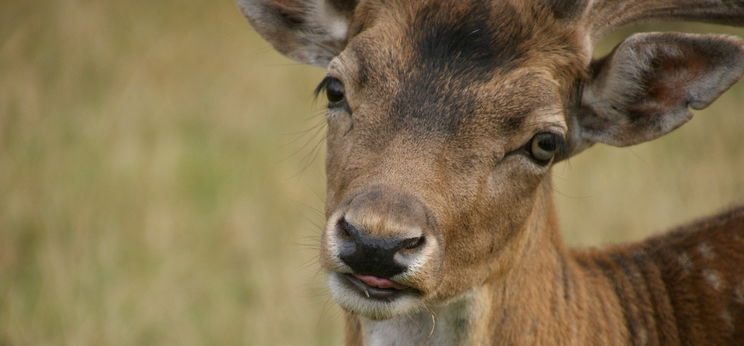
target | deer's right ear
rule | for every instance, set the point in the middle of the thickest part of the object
(645, 87)
(309, 31)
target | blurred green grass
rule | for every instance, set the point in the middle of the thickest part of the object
(161, 179)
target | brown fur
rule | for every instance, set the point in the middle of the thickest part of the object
(441, 100)
(636, 294)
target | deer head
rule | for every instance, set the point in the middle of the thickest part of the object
(445, 118)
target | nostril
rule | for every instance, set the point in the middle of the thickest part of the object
(345, 230)
(413, 243)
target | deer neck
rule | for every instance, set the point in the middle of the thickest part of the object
(535, 303)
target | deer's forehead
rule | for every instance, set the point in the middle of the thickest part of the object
(464, 41)
(463, 37)
(442, 66)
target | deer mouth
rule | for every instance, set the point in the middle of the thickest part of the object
(373, 297)
(376, 288)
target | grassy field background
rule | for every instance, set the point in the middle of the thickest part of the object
(161, 179)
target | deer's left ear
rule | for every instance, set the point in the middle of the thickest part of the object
(643, 89)
(309, 31)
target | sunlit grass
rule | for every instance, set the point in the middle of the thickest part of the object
(160, 182)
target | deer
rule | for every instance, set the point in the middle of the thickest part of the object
(444, 119)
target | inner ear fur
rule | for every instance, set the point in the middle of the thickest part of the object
(308, 31)
(642, 90)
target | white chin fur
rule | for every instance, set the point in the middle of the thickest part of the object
(373, 309)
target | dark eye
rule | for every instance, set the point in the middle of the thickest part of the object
(545, 146)
(334, 91)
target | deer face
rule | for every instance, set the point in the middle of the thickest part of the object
(436, 151)
(444, 119)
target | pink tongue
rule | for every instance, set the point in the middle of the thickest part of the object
(379, 282)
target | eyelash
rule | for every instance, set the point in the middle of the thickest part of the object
(322, 86)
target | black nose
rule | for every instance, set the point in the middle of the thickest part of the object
(369, 255)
